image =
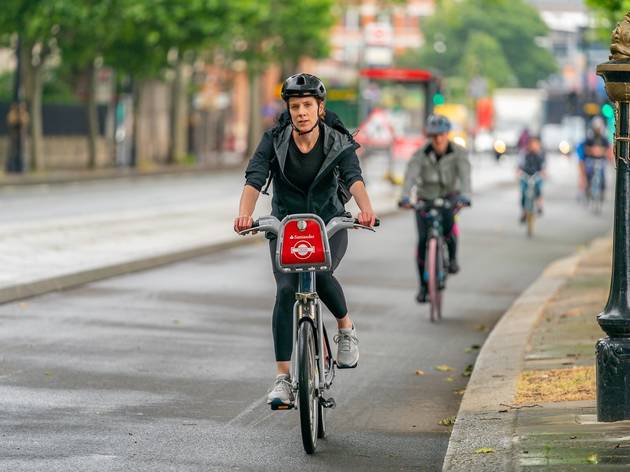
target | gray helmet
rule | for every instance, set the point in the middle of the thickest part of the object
(437, 124)
(598, 124)
(303, 85)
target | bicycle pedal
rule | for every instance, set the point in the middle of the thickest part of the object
(281, 406)
(327, 402)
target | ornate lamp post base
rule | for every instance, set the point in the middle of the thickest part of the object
(613, 368)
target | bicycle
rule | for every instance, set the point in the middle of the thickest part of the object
(436, 258)
(529, 206)
(595, 192)
(303, 248)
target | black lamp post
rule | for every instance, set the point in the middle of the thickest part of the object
(17, 118)
(613, 351)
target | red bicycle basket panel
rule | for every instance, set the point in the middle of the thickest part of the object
(302, 247)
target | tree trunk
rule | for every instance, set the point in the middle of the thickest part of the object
(255, 120)
(136, 138)
(33, 78)
(179, 113)
(92, 116)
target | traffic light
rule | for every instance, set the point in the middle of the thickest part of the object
(608, 111)
(438, 98)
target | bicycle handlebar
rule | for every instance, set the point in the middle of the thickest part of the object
(272, 224)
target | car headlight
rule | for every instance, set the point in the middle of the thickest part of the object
(564, 147)
(459, 140)
(499, 146)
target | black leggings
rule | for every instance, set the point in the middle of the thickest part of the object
(328, 289)
(448, 220)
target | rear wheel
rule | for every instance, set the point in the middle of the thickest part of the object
(308, 398)
(435, 295)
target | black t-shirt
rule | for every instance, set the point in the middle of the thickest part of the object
(532, 163)
(301, 168)
(595, 140)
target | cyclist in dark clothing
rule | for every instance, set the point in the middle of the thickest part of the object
(596, 148)
(532, 163)
(306, 159)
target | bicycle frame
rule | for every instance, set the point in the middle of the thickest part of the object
(530, 193)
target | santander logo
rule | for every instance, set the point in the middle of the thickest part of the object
(302, 249)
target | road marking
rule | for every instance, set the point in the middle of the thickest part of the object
(247, 410)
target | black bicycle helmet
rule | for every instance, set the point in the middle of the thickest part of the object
(303, 85)
(437, 124)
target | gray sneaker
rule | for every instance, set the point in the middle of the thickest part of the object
(347, 348)
(281, 394)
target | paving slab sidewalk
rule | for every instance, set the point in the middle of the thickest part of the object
(504, 426)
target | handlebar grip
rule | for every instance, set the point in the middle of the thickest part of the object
(256, 224)
(377, 223)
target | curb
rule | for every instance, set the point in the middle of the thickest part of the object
(495, 376)
(62, 282)
(111, 173)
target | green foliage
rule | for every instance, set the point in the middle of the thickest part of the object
(484, 57)
(609, 13)
(275, 31)
(505, 28)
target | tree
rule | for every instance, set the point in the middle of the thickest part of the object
(281, 32)
(609, 12)
(37, 29)
(84, 35)
(483, 57)
(513, 24)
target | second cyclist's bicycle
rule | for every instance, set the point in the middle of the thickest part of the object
(436, 258)
(303, 248)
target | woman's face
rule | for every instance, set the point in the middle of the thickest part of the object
(304, 112)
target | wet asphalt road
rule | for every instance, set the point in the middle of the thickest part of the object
(167, 369)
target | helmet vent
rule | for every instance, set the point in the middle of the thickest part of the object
(300, 80)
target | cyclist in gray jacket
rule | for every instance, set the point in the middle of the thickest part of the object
(441, 169)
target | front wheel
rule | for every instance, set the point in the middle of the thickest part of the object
(435, 294)
(308, 398)
(531, 220)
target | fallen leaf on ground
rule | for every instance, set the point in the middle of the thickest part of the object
(450, 379)
(481, 327)
(459, 392)
(484, 450)
(448, 421)
(443, 368)
(419, 372)
(473, 348)
(592, 459)
(467, 371)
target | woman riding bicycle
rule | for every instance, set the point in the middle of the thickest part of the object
(440, 169)
(306, 155)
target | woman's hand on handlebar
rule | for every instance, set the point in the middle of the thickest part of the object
(367, 218)
(243, 222)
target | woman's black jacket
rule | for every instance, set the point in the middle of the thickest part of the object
(322, 198)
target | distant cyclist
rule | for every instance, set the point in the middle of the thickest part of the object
(532, 164)
(305, 157)
(595, 147)
(441, 169)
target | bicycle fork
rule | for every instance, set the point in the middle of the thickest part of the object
(307, 309)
